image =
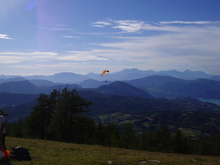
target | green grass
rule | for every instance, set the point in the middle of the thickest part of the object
(127, 122)
(188, 132)
(56, 153)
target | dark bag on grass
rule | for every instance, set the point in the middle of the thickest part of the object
(20, 153)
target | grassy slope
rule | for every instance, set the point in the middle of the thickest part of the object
(57, 153)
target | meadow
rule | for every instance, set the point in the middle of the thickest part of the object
(45, 152)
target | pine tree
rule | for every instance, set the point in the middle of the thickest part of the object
(111, 135)
(99, 133)
(40, 118)
(180, 143)
(56, 116)
(146, 141)
(127, 138)
(68, 106)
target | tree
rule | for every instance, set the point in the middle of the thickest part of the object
(127, 138)
(111, 135)
(40, 117)
(162, 139)
(84, 130)
(56, 115)
(99, 134)
(180, 143)
(68, 107)
(16, 129)
(146, 141)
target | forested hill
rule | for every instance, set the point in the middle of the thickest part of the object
(103, 104)
(171, 87)
(121, 89)
(107, 104)
(155, 96)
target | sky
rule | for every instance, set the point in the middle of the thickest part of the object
(44, 37)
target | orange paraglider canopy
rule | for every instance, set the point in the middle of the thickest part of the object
(4, 154)
(103, 72)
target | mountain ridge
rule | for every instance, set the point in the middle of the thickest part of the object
(126, 74)
(156, 86)
(171, 87)
(121, 89)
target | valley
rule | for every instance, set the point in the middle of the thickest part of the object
(145, 102)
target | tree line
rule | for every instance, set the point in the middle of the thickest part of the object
(60, 116)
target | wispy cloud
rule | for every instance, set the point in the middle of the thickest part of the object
(145, 45)
(29, 53)
(82, 56)
(129, 25)
(17, 57)
(70, 36)
(133, 26)
(5, 36)
(190, 22)
(101, 23)
(176, 46)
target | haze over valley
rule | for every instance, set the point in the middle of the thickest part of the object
(131, 92)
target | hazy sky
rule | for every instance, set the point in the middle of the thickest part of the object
(82, 36)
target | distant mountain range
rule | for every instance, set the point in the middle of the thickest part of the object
(152, 86)
(118, 95)
(171, 87)
(26, 87)
(143, 98)
(126, 74)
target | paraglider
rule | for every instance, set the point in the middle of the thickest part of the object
(104, 72)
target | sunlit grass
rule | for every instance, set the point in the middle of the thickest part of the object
(56, 153)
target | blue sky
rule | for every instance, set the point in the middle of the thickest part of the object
(82, 36)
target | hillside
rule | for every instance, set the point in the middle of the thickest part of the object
(114, 101)
(193, 117)
(154, 86)
(171, 87)
(14, 79)
(57, 153)
(26, 87)
(91, 83)
(193, 124)
(121, 89)
(12, 99)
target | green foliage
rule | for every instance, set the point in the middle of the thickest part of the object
(16, 129)
(128, 139)
(56, 116)
(59, 117)
(180, 143)
(193, 124)
(208, 145)
(68, 106)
